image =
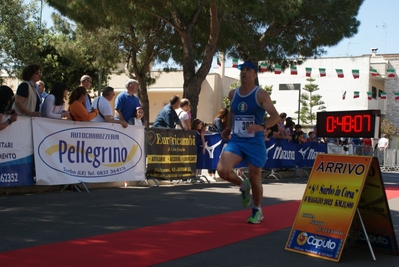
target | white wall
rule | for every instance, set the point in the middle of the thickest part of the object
(331, 88)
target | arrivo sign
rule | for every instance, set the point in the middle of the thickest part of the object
(354, 123)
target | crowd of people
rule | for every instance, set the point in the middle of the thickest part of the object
(31, 99)
(244, 125)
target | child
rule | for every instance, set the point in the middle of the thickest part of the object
(198, 125)
(138, 117)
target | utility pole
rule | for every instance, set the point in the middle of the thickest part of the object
(41, 13)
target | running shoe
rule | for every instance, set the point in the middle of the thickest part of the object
(256, 216)
(246, 197)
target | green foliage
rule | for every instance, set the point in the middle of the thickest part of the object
(190, 32)
(65, 52)
(388, 127)
(309, 102)
(288, 30)
(19, 34)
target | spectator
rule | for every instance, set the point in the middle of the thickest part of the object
(6, 95)
(289, 126)
(312, 137)
(167, 117)
(86, 82)
(53, 105)
(41, 90)
(138, 117)
(220, 122)
(182, 112)
(382, 145)
(301, 138)
(198, 126)
(280, 124)
(102, 104)
(297, 136)
(27, 100)
(77, 110)
(126, 102)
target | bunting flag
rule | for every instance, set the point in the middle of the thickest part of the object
(308, 72)
(355, 74)
(235, 62)
(356, 94)
(277, 69)
(369, 95)
(391, 73)
(340, 73)
(322, 72)
(396, 94)
(218, 61)
(374, 72)
(344, 95)
(263, 67)
(383, 95)
(294, 70)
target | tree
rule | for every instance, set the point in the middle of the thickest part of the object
(73, 51)
(65, 52)
(287, 32)
(281, 30)
(309, 102)
(388, 127)
(142, 39)
(19, 33)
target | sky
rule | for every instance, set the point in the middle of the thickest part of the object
(378, 29)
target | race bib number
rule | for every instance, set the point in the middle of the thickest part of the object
(241, 124)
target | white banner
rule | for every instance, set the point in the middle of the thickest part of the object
(16, 153)
(69, 152)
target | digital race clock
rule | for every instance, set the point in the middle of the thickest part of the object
(354, 123)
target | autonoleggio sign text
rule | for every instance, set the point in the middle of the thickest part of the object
(171, 154)
(69, 152)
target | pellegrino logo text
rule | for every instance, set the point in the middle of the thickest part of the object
(99, 152)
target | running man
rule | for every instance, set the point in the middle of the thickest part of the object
(246, 118)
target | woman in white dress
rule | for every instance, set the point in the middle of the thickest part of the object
(53, 105)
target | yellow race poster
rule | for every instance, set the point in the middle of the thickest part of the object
(328, 205)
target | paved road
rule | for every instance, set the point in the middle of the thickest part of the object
(36, 219)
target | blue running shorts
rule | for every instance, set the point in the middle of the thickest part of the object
(252, 150)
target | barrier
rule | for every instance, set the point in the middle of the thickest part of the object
(16, 154)
(281, 154)
(68, 152)
(171, 154)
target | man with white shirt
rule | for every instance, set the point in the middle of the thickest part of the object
(102, 104)
(182, 112)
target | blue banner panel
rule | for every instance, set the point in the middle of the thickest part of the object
(17, 172)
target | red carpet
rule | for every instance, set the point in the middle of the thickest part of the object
(156, 244)
(151, 245)
(392, 191)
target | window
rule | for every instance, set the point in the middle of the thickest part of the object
(289, 86)
(374, 90)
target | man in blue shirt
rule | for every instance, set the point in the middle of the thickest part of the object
(167, 117)
(126, 102)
